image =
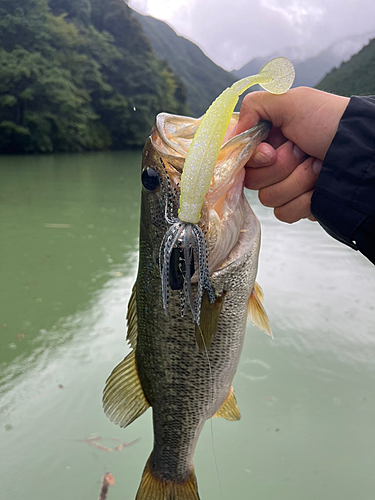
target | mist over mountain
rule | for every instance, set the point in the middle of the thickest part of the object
(310, 70)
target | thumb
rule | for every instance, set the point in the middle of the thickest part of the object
(262, 105)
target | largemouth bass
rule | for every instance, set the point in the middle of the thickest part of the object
(182, 370)
(198, 259)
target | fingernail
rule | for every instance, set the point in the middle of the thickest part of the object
(262, 158)
(298, 153)
(317, 166)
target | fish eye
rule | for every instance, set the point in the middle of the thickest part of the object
(150, 179)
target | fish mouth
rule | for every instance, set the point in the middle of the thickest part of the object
(225, 216)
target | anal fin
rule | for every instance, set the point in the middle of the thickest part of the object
(229, 409)
(123, 396)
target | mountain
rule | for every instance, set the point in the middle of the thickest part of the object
(309, 71)
(203, 79)
(354, 77)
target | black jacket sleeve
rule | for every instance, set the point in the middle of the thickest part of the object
(344, 198)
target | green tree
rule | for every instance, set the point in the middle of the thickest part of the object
(45, 94)
(42, 109)
(22, 22)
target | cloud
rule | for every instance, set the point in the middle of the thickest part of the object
(231, 35)
(295, 12)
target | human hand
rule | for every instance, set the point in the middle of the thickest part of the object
(286, 168)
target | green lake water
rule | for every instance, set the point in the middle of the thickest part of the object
(68, 257)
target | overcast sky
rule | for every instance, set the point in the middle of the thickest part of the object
(231, 34)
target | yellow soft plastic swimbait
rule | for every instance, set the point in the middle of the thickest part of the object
(277, 77)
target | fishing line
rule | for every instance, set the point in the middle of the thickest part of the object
(211, 423)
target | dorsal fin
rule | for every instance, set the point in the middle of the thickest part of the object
(256, 311)
(229, 409)
(123, 396)
(209, 319)
(131, 318)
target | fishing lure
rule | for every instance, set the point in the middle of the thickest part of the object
(276, 77)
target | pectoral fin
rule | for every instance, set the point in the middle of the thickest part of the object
(259, 291)
(256, 311)
(229, 409)
(123, 397)
(210, 313)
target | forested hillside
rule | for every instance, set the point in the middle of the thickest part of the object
(204, 80)
(78, 75)
(355, 77)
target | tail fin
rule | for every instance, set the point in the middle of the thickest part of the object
(154, 488)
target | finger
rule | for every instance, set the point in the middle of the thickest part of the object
(264, 156)
(302, 179)
(288, 157)
(293, 211)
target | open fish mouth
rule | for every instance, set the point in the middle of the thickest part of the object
(225, 211)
